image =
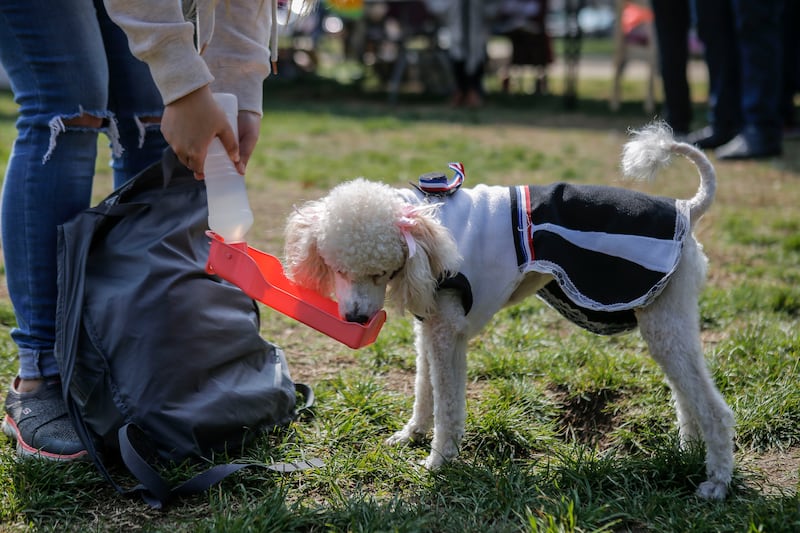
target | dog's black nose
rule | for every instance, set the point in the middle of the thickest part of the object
(357, 317)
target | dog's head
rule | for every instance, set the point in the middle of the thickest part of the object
(363, 238)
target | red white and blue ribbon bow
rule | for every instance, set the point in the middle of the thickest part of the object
(438, 184)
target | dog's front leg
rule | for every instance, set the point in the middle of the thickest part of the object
(446, 344)
(440, 394)
(422, 417)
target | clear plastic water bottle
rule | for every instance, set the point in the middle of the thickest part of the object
(229, 213)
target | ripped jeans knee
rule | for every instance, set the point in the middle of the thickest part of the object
(146, 124)
(103, 122)
(135, 141)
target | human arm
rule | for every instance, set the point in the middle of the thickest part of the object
(233, 57)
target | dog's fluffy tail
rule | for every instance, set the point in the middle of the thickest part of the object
(651, 149)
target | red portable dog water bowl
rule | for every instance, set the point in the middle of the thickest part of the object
(261, 277)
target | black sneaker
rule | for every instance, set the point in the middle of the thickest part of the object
(709, 138)
(745, 146)
(39, 423)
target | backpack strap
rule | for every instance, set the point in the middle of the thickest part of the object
(87, 439)
(136, 452)
(155, 490)
(308, 395)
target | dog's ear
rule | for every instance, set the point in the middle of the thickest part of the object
(302, 260)
(432, 255)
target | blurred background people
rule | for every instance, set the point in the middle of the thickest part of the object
(791, 68)
(743, 49)
(673, 20)
(523, 22)
(468, 29)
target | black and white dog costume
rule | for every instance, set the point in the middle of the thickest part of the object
(606, 258)
(609, 250)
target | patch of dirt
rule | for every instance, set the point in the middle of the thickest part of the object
(326, 360)
(774, 472)
(585, 416)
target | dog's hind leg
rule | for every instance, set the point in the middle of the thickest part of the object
(422, 416)
(699, 403)
(670, 327)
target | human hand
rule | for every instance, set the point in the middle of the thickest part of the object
(190, 123)
(249, 130)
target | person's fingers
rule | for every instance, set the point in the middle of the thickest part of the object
(249, 129)
(231, 144)
(246, 146)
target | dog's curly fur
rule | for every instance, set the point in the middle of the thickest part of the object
(364, 238)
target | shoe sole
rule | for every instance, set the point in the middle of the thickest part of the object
(25, 450)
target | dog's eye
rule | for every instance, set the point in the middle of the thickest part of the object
(396, 272)
(377, 277)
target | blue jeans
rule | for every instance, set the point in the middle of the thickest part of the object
(65, 60)
(743, 45)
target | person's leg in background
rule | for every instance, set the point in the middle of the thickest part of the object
(716, 29)
(476, 30)
(473, 98)
(460, 78)
(791, 69)
(759, 28)
(469, 34)
(673, 20)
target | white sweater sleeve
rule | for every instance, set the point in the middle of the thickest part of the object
(235, 53)
(238, 53)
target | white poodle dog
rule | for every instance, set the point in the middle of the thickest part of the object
(607, 258)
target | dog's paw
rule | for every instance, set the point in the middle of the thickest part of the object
(401, 437)
(405, 436)
(434, 461)
(712, 490)
(441, 454)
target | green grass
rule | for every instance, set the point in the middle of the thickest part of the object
(565, 431)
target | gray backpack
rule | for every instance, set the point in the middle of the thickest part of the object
(159, 359)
